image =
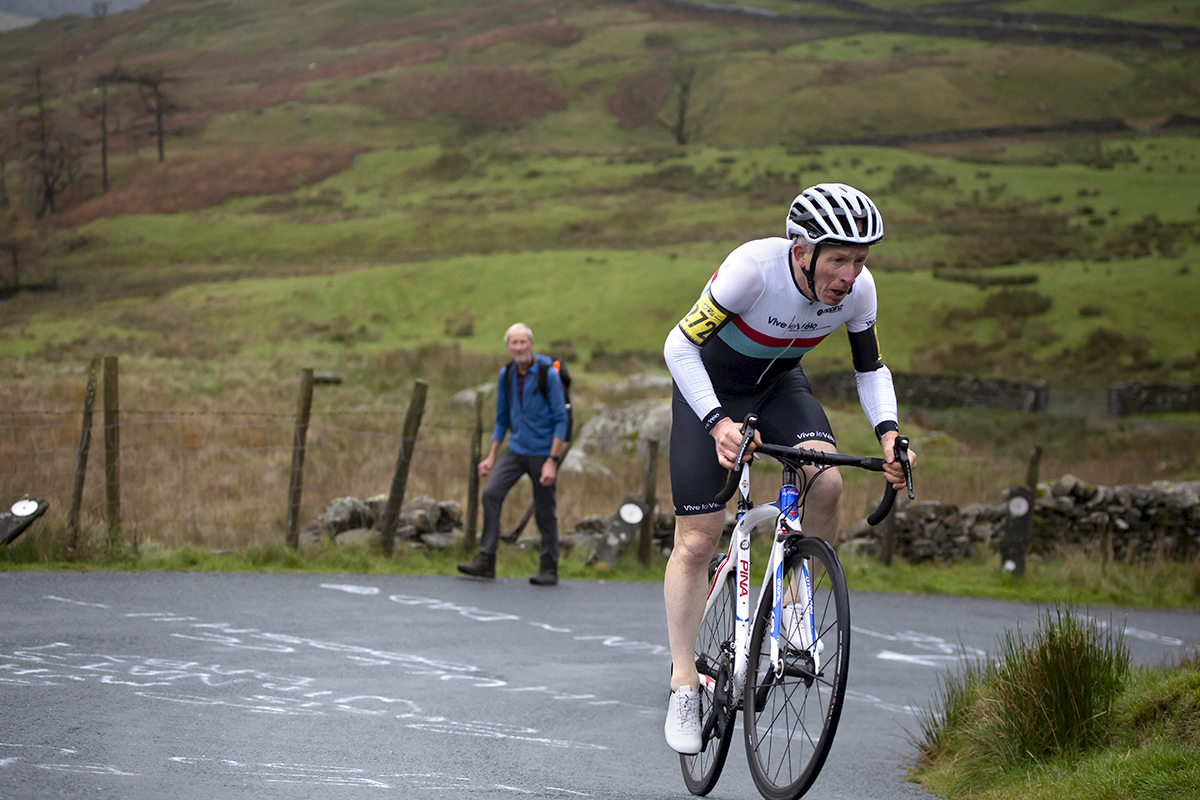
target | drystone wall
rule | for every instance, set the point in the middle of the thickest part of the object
(942, 391)
(1159, 520)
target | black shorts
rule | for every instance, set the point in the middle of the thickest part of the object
(788, 414)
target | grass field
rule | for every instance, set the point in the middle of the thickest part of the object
(347, 188)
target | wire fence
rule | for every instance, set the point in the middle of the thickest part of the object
(220, 479)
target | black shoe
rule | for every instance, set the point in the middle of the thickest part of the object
(484, 566)
(547, 573)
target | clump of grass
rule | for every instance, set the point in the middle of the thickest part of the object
(1044, 697)
(956, 695)
(49, 544)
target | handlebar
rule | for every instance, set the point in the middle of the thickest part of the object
(799, 457)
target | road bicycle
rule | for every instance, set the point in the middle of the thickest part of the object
(787, 672)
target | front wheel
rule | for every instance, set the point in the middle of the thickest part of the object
(792, 712)
(714, 662)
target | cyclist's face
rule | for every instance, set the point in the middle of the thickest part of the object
(837, 269)
(520, 347)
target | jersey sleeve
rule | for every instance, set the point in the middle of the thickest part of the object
(876, 391)
(734, 288)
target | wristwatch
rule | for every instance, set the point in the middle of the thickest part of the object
(556, 459)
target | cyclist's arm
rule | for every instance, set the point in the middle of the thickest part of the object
(733, 289)
(687, 368)
(878, 398)
(876, 393)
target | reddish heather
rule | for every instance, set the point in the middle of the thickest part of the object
(379, 29)
(190, 183)
(544, 32)
(490, 95)
(637, 99)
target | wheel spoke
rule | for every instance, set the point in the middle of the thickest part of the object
(714, 649)
(791, 721)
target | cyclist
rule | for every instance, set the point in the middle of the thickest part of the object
(738, 352)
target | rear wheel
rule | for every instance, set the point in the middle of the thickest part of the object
(791, 718)
(714, 662)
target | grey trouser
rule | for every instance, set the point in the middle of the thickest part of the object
(507, 470)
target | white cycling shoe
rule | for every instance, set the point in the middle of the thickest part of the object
(683, 721)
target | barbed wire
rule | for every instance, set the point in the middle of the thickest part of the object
(125, 413)
(217, 478)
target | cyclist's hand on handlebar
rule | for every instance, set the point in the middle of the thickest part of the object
(728, 437)
(891, 467)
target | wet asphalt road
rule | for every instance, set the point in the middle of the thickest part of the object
(137, 685)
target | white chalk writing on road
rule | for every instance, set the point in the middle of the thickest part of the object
(937, 652)
(483, 615)
(33, 756)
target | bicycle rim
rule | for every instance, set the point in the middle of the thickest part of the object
(714, 661)
(790, 721)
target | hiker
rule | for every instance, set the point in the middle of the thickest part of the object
(531, 403)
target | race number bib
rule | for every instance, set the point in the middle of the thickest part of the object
(705, 319)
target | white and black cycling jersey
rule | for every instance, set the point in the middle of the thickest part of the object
(752, 324)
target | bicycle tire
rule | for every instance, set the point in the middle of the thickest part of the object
(790, 722)
(714, 661)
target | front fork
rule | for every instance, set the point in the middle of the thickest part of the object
(798, 597)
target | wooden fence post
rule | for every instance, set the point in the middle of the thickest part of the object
(408, 441)
(296, 476)
(887, 530)
(469, 526)
(112, 452)
(1016, 530)
(1031, 469)
(85, 444)
(887, 536)
(650, 495)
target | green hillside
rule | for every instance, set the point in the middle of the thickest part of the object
(496, 160)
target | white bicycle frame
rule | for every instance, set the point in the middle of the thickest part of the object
(737, 560)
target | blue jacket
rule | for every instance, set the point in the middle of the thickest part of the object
(534, 422)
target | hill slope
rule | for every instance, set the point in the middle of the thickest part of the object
(346, 133)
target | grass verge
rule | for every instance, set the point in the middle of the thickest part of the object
(1062, 714)
(1069, 577)
(51, 552)
(1072, 577)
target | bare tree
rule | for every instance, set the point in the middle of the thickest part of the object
(151, 88)
(10, 151)
(99, 10)
(99, 112)
(55, 152)
(18, 241)
(691, 103)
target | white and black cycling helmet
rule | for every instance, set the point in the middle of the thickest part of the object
(834, 214)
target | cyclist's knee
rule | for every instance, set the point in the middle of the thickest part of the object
(825, 494)
(696, 537)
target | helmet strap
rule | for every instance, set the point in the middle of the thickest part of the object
(810, 272)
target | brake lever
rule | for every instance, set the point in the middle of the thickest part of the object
(900, 450)
(748, 426)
